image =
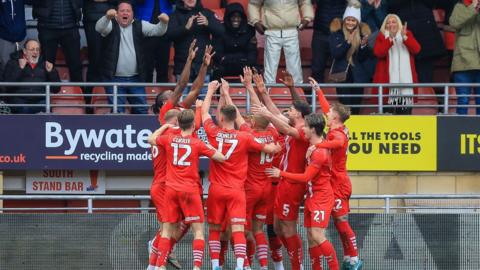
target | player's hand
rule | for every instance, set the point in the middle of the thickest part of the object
(163, 18)
(189, 24)
(192, 51)
(247, 77)
(258, 80)
(303, 24)
(22, 62)
(207, 57)
(272, 172)
(287, 79)
(48, 66)
(201, 19)
(198, 103)
(225, 88)
(260, 28)
(111, 13)
(213, 86)
(259, 109)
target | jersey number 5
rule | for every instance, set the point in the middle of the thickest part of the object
(181, 161)
(233, 144)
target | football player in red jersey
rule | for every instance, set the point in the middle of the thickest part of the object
(337, 142)
(290, 194)
(226, 195)
(183, 187)
(320, 199)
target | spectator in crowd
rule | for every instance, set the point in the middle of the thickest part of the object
(156, 48)
(29, 67)
(93, 10)
(326, 11)
(58, 22)
(123, 56)
(280, 23)
(350, 50)
(12, 28)
(465, 20)
(237, 48)
(395, 49)
(191, 21)
(373, 13)
(419, 16)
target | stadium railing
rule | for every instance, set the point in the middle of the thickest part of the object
(447, 98)
(458, 202)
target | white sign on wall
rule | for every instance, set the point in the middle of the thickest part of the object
(65, 182)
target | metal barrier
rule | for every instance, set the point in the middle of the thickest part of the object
(387, 202)
(446, 96)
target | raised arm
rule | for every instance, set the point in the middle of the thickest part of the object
(198, 113)
(289, 83)
(199, 81)
(224, 92)
(246, 79)
(185, 75)
(258, 79)
(104, 24)
(156, 30)
(212, 87)
(282, 126)
(321, 97)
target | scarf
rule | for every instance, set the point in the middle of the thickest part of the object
(400, 71)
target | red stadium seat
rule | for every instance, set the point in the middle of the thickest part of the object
(281, 96)
(433, 110)
(65, 99)
(63, 73)
(100, 100)
(426, 91)
(212, 4)
(239, 97)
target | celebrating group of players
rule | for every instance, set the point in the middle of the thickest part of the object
(260, 172)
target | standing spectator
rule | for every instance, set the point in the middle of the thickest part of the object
(238, 46)
(191, 21)
(93, 10)
(419, 16)
(326, 11)
(466, 56)
(123, 56)
(395, 49)
(30, 68)
(373, 13)
(280, 23)
(350, 50)
(58, 25)
(156, 48)
(12, 28)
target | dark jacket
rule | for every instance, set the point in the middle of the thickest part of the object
(326, 11)
(374, 16)
(419, 16)
(13, 73)
(182, 37)
(238, 45)
(360, 72)
(92, 11)
(12, 21)
(111, 49)
(148, 10)
(42, 10)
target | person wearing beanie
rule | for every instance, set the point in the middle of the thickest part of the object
(348, 42)
(395, 49)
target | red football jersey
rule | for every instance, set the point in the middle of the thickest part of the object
(295, 149)
(158, 157)
(258, 162)
(182, 159)
(235, 145)
(339, 155)
(321, 159)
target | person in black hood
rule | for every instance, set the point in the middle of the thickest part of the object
(191, 21)
(238, 46)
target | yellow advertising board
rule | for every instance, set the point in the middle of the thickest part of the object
(392, 143)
